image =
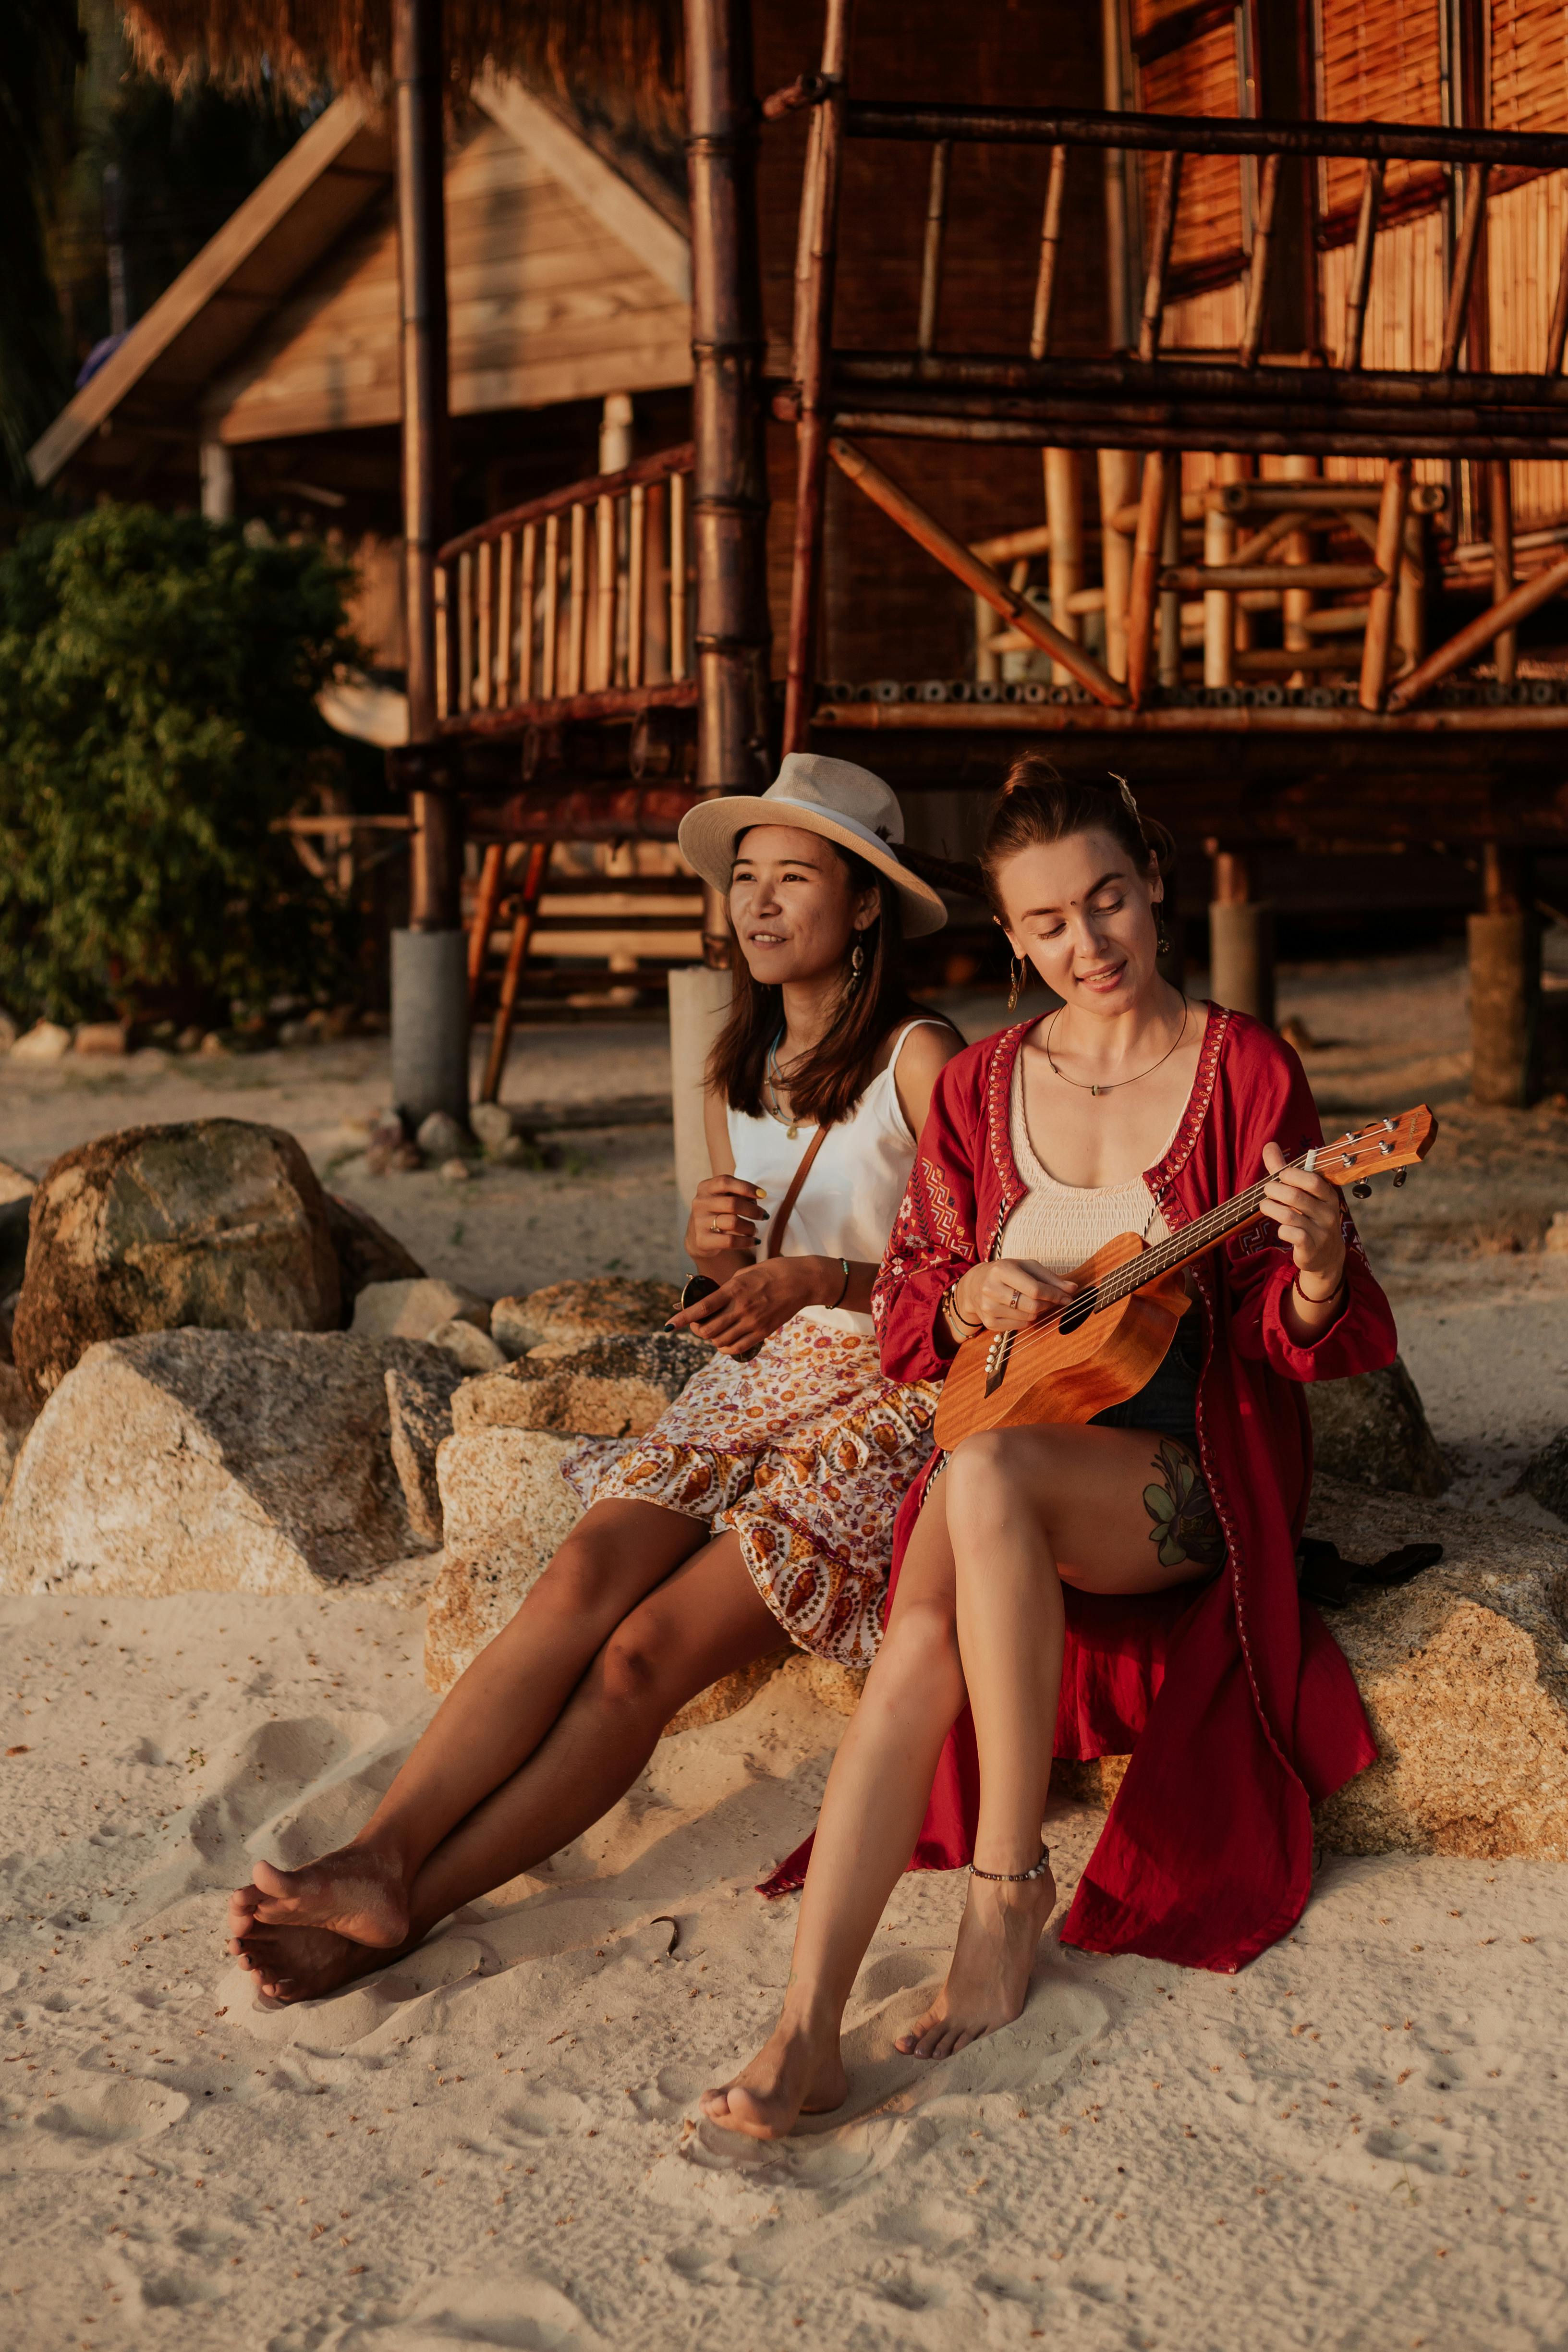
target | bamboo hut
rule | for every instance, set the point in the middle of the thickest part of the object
(1184, 372)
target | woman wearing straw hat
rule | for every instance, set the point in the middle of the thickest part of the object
(760, 1505)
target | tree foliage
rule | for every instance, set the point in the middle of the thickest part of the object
(158, 676)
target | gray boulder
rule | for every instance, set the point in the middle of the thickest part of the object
(411, 1310)
(1371, 1430)
(611, 1388)
(419, 1415)
(569, 1314)
(214, 1461)
(1545, 1477)
(215, 1223)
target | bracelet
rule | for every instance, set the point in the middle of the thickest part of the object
(1306, 1296)
(948, 1306)
(843, 1285)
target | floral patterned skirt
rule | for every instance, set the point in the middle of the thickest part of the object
(806, 1453)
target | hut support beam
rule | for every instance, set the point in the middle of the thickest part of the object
(1241, 939)
(430, 976)
(1505, 984)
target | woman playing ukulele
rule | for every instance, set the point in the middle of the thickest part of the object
(1088, 1590)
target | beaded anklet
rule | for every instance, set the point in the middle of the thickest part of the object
(1015, 1877)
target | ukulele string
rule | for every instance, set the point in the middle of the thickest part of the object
(1191, 1241)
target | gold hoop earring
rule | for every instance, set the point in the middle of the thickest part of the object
(1020, 981)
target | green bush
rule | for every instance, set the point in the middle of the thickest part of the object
(158, 676)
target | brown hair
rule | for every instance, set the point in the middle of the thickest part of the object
(1036, 807)
(826, 1087)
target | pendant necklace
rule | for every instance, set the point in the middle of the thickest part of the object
(1111, 1084)
(789, 1122)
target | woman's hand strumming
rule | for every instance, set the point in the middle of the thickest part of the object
(1010, 1294)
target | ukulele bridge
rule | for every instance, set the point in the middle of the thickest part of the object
(997, 1356)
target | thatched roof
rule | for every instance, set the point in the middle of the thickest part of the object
(616, 61)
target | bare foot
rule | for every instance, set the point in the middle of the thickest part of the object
(303, 1963)
(355, 1892)
(794, 2074)
(988, 1978)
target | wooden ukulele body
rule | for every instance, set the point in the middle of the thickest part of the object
(1004, 1380)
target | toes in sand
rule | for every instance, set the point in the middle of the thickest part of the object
(987, 1980)
(303, 1963)
(355, 1893)
(793, 2074)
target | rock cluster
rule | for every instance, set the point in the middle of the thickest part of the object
(608, 1388)
(570, 1314)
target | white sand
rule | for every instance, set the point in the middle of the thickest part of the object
(1362, 2140)
(1358, 2142)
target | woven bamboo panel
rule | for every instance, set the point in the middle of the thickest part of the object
(1529, 64)
(1198, 79)
(1404, 313)
(1210, 322)
(1377, 62)
(1524, 244)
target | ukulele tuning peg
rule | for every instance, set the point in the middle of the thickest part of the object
(1399, 1176)
(1361, 1190)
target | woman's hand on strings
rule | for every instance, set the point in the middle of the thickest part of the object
(1011, 1293)
(759, 1300)
(1307, 1211)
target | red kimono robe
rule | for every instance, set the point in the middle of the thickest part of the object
(1237, 1706)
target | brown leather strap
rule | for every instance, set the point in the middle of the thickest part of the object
(786, 1206)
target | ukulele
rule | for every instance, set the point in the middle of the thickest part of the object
(1101, 1345)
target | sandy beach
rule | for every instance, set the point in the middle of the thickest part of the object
(1359, 2141)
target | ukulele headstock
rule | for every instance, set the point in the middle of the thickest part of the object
(1387, 1147)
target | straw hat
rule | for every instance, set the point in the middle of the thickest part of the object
(846, 804)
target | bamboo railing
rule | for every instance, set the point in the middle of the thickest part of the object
(577, 605)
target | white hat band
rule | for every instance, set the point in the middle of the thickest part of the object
(834, 817)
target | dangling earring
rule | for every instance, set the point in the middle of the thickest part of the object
(857, 966)
(1162, 944)
(1019, 981)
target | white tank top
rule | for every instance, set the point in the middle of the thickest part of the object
(847, 1203)
(1060, 1225)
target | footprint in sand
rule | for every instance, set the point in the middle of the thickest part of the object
(521, 2315)
(75, 2128)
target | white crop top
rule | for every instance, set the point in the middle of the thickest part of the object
(1060, 1225)
(848, 1201)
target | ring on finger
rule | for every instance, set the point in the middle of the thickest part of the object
(1017, 1295)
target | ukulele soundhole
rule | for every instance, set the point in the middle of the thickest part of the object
(1074, 1316)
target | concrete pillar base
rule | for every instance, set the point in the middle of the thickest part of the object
(1505, 1001)
(1241, 958)
(699, 1007)
(430, 1023)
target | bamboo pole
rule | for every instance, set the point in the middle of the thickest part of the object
(814, 354)
(504, 609)
(1297, 552)
(927, 532)
(465, 631)
(1207, 577)
(1302, 488)
(1361, 265)
(484, 923)
(1219, 615)
(931, 257)
(1159, 260)
(1009, 545)
(636, 584)
(1378, 643)
(1118, 486)
(527, 590)
(551, 646)
(1142, 601)
(1257, 281)
(483, 597)
(1050, 244)
(1465, 256)
(577, 600)
(441, 599)
(604, 599)
(1170, 552)
(1064, 517)
(1499, 485)
(678, 576)
(1410, 604)
(511, 978)
(1557, 332)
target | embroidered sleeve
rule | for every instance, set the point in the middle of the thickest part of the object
(931, 1242)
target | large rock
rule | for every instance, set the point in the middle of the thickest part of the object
(217, 1224)
(411, 1310)
(611, 1387)
(1545, 1477)
(419, 1416)
(366, 1252)
(212, 1461)
(506, 1511)
(1464, 1675)
(570, 1314)
(17, 1418)
(1371, 1430)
